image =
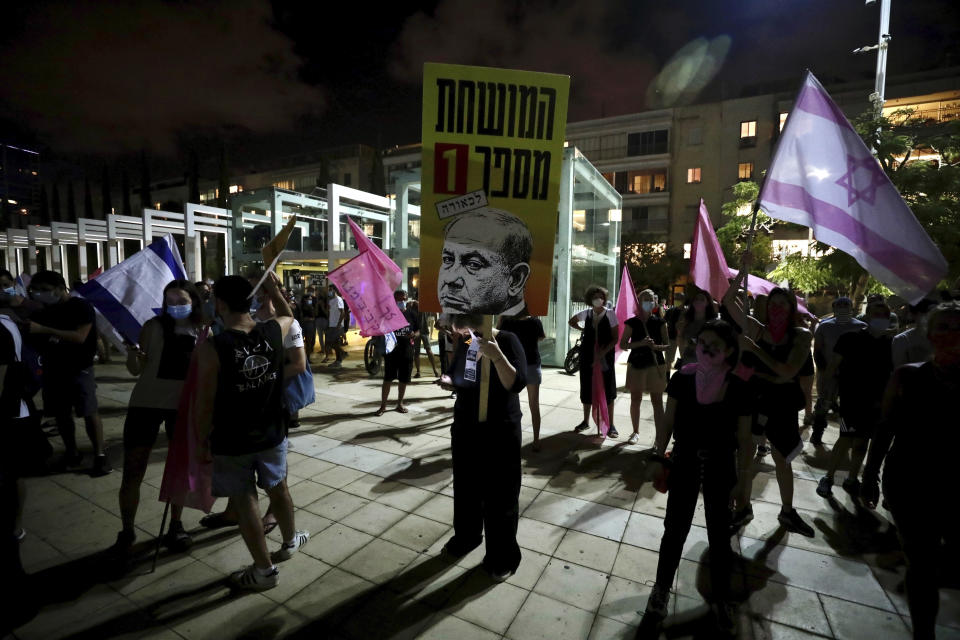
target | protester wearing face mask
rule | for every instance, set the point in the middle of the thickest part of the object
(64, 334)
(824, 340)
(862, 365)
(598, 384)
(398, 364)
(778, 352)
(698, 312)
(160, 363)
(707, 407)
(913, 345)
(15, 305)
(645, 337)
(915, 405)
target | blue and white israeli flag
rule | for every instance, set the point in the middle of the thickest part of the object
(130, 293)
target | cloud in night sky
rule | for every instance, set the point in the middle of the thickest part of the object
(569, 37)
(130, 75)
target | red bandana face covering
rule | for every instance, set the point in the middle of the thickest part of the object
(777, 322)
(711, 373)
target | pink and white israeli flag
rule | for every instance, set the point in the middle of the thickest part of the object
(823, 176)
(708, 266)
(627, 304)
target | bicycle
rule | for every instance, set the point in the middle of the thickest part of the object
(571, 364)
(373, 353)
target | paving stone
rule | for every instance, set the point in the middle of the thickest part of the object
(544, 618)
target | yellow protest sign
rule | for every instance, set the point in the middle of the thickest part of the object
(492, 152)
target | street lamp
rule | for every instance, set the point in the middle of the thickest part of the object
(882, 46)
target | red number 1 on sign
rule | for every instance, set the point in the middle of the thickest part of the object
(450, 168)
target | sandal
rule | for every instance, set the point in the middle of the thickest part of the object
(402, 409)
(216, 521)
(269, 526)
(380, 411)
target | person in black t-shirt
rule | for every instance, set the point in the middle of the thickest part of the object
(308, 319)
(529, 330)
(917, 477)
(240, 419)
(486, 456)
(645, 336)
(672, 317)
(66, 337)
(708, 408)
(398, 364)
(862, 364)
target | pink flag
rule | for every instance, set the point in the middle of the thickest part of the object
(708, 266)
(381, 262)
(759, 286)
(627, 305)
(186, 478)
(823, 177)
(368, 295)
(600, 410)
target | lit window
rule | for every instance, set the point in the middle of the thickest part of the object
(693, 175)
(783, 120)
(686, 250)
(745, 171)
(748, 129)
(235, 188)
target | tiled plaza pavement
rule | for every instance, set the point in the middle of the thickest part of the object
(375, 494)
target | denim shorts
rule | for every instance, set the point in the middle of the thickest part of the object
(241, 475)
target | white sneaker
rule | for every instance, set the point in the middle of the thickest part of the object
(287, 549)
(634, 438)
(250, 579)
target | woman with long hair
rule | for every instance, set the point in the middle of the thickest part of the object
(708, 410)
(160, 361)
(598, 383)
(778, 351)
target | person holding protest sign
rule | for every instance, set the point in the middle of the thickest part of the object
(398, 364)
(485, 263)
(486, 456)
(160, 364)
(598, 384)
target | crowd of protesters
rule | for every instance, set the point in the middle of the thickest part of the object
(736, 377)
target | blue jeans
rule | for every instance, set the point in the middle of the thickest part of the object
(241, 475)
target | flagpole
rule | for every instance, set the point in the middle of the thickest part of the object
(756, 204)
(163, 523)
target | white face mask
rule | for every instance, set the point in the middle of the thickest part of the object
(647, 305)
(597, 303)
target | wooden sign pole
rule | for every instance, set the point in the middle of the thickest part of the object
(485, 370)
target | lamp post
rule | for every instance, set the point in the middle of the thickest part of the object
(882, 46)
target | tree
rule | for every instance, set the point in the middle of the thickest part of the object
(652, 266)
(922, 158)
(735, 229)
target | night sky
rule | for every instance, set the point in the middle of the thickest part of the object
(109, 79)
